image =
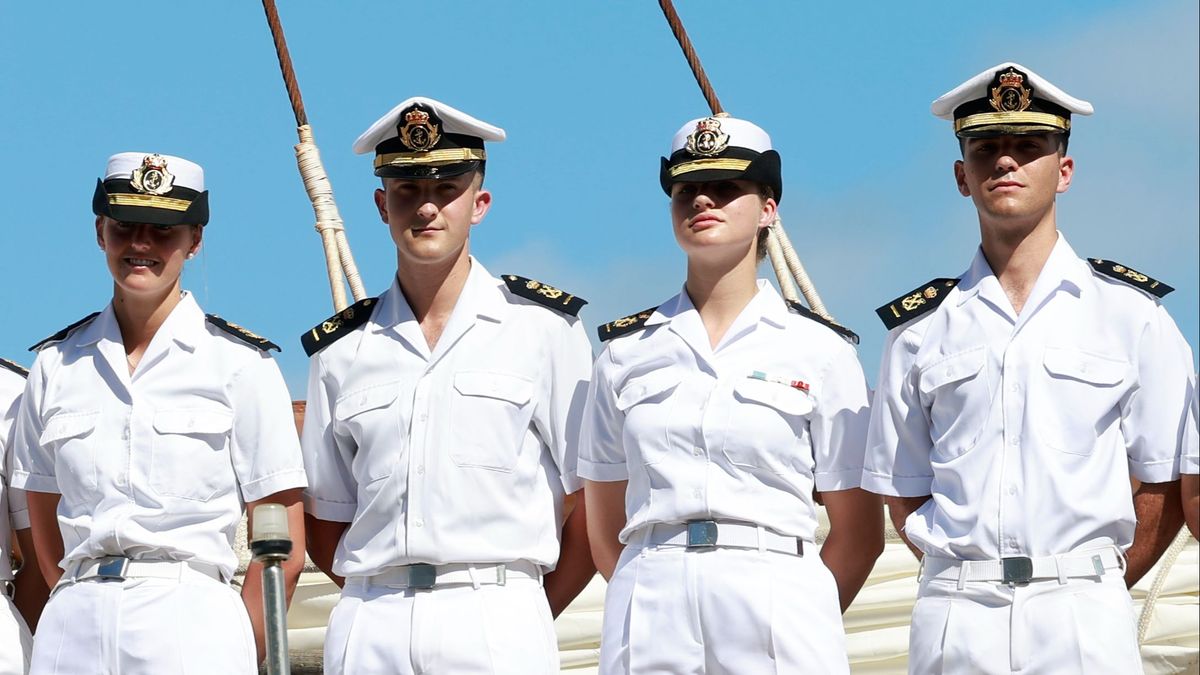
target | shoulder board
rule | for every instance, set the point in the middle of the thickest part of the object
(916, 302)
(62, 334)
(9, 365)
(337, 326)
(1130, 276)
(544, 295)
(847, 334)
(624, 325)
(252, 339)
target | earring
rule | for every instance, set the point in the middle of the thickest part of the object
(191, 255)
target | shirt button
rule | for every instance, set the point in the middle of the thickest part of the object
(424, 416)
(125, 434)
(1014, 388)
(697, 451)
(1013, 440)
(697, 493)
(421, 470)
(419, 523)
(1012, 489)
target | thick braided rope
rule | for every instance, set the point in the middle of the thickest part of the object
(1160, 579)
(329, 220)
(775, 252)
(798, 271)
(689, 53)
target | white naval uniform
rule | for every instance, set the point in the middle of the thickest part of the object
(461, 454)
(1025, 430)
(698, 437)
(15, 640)
(157, 465)
(1189, 463)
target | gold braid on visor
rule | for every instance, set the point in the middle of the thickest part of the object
(446, 156)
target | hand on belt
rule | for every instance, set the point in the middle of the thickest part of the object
(1023, 570)
(706, 534)
(423, 576)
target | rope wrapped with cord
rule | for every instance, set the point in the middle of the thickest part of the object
(784, 259)
(1160, 579)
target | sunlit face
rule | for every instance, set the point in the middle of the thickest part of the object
(1013, 178)
(719, 218)
(146, 259)
(430, 219)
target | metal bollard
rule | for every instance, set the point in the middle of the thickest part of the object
(271, 544)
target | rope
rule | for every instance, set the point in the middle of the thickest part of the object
(689, 53)
(775, 253)
(797, 269)
(285, 62)
(320, 193)
(1160, 580)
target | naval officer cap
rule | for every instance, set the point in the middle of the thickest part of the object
(144, 187)
(424, 138)
(721, 148)
(1009, 99)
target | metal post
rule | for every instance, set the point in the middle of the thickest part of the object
(271, 545)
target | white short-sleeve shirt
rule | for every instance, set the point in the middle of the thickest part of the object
(14, 515)
(1190, 462)
(743, 432)
(458, 455)
(157, 464)
(1025, 429)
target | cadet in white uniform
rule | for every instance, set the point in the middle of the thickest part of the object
(1013, 404)
(146, 431)
(711, 420)
(24, 592)
(1189, 468)
(440, 431)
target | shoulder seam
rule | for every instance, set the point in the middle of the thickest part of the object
(1130, 277)
(64, 333)
(842, 332)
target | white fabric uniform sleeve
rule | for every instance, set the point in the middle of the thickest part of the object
(33, 466)
(838, 425)
(332, 492)
(1154, 413)
(1190, 462)
(264, 446)
(601, 450)
(558, 418)
(18, 509)
(898, 442)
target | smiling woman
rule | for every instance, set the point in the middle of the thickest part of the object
(150, 429)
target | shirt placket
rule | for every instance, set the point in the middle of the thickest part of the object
(415, 516)
(1012, 393)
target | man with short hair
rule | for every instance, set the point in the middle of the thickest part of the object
(440, 431)
(1015, 402)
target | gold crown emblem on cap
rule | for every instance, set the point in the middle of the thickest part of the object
(1011, 95)
(420, 131)
(708, 139)
(152, 176)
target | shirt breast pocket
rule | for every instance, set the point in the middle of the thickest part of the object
(369, 417)
(647, 404)
(190, 455)
(490, 414)
(766, 423)
(957, 394)
(1077, 398)
(66, 437)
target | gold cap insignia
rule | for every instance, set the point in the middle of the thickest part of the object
(708, 139)
(420, 130)
(1011, 94)
(152, 176)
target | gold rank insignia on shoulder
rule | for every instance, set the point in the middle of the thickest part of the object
(846, 334)
(916, 302)
(421, 130)
(1010, 93)
(253, 339)
(544, 294)
(152, 177)
(9, 365)
(624, 325)
(62, 334)
(337, 326)
(708, 139)
(1130, 276)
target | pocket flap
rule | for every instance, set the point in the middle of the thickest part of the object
(68, 425)
(783, 398)
(511, 388)
(353, 403)
(954, 368)
(193, 421)
(1084, 366)
(644, 388)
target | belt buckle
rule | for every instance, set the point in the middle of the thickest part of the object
(113, 568)
(422, 576)
(701, 533)
(1017, 570)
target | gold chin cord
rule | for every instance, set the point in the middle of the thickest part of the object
(788, 268)
(339, 263)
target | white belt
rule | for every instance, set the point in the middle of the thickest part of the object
(706, 534)
(423, 576)
(119, 568)
(1022, 570)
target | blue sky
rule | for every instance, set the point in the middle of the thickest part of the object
(590, 94)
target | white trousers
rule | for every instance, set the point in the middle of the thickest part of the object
(668, 611)
(15, 641)
(1085, 626)
(144, 627)
(455, 630)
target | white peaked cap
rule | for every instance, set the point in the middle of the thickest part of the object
(454, 121)
(977, 88)
(187, 174)
(742, 134)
